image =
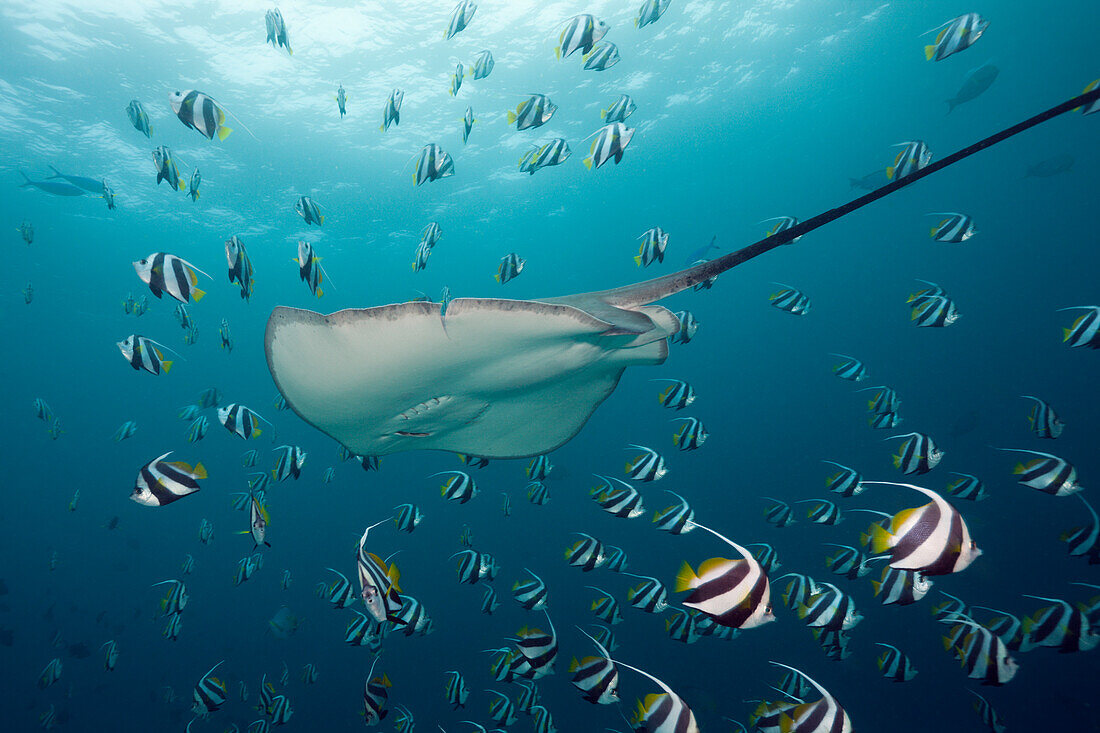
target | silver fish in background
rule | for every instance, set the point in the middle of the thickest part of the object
(226, 336)
(26, 231)
(580, 33)
(139, 118)
(460, 18)
(28, 294)
(974, 85)
(957, 35)
(650, 12)
(483, 65)
(610, 143)
(166, 168)
(276, 30)
(342, 101)
(535, 111)
(432, 163)
(619, 110)
(108, 196)
(391, 113)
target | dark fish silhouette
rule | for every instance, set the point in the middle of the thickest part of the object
(57, 188)
(79, 650)
(975, 84)
(112, 523)
(1050, 167)
(871, 181)
(701, 253)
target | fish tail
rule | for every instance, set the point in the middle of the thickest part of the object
(223, 132)
(929, 52)
(511, 117)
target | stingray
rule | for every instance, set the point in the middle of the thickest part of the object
(494, 377)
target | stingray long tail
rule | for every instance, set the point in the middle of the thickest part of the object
(661, 287)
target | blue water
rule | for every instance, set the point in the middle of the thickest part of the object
(746, 110)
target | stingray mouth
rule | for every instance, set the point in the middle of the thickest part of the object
(415, 417)
(408, 434)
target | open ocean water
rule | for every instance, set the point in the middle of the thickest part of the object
(745, 111)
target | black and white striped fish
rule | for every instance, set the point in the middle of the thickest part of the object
(901, 587)
(414, 617)
(782, 224)
(1085, 331)
(649, 596)
(650, 12)
(511, 265)
(240, 420)
(954, 229)
(798, 591)
(175, 600)
(596, 677)
(539, 468)
(126, 430)
(677, 395)
(980, 652)
(601, 57)
(733, 593)
(779, 513)
(489, 602)
(473, 566)
(586, 553)
(581, 32)
(482, 66)
(884, 401)
(280, 710)
(918, 453)
(554, 152)
(339, 594)
(276, 30)
(989, 716)
(193, 184)
(201, 113)
(830, 608)
(165, 164)
(391, 113)
(665, 712)
(846, 481)
(165, 273)
(680, 626)
(289, 462)
(884, 421)
(849, 561)
(606, 607)
(624, 501)
(767, 556)
(689, 325)
(535, 111)
(420, 260)
(209, 693)
(895, 664)
(610, 144)
(375, 696)
(691, 435)
(790, 300)
(460, 18)
(139, 118)
(432, 163)
(408, 516)
(932, 539)
(616, 559)
(1047, 473)
(850, 368)
(914, 156)
(652, 248)
(240, 265)
(619, 110)
(937, 311)
(537, 493)
(161, 482)
(257, 522)
(649, 466)
(530, 594)
(543, 720)
(1082, 541)
(823, 511)
(675, 519)
(467, 124)
(145, 353)
(1060, 626)
(824, 715)
(378, 582)
(1045, 422)
(459, 487)
(957, 35)
(967, 486)
(455, 689)
(501, 709)
(456, 84)
(1008, 627)
(539, 648)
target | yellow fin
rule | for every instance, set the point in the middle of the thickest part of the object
(686, 579)
(166, 366)
(880, 538)
(511, 117)
(587, 163)
(223, 132)
(196, 294)
(256, 432)
(929, 52)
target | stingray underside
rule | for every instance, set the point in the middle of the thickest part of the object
(494, 378)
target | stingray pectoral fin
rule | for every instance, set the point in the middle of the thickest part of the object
(507, 378)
